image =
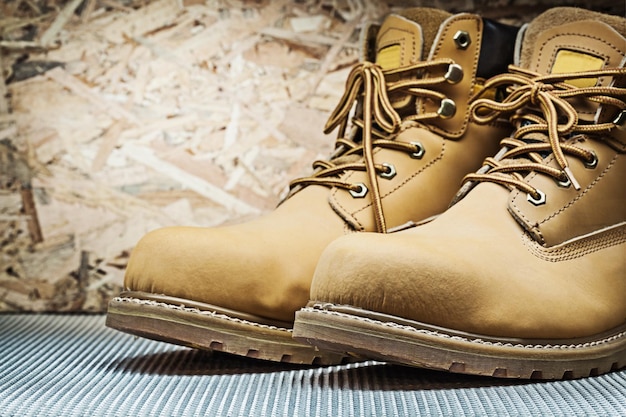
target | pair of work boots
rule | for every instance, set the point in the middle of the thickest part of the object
(523, 275)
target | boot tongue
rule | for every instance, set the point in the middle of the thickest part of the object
(567, 39)
(403, 38)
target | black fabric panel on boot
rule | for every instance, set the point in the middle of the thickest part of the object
(497, 48)
(368, 42)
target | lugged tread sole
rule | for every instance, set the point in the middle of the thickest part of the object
(424, 347)
(210, 330)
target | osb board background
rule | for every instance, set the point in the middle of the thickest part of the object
(119, 117)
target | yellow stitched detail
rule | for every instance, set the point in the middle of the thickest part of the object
(389, 57)
(568, 61)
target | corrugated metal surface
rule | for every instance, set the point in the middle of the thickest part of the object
(61, 365)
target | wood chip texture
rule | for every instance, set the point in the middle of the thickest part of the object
(120, 117)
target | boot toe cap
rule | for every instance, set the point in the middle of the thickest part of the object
(437, 280)
(225, 267)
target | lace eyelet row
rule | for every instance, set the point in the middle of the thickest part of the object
(540, 198)
(360, 190)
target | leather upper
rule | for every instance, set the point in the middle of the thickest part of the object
(501, 261)
(473, 269)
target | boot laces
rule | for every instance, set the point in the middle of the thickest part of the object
(374, 124)
(538, 106)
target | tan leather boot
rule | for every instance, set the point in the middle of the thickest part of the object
(236, 289)
(525, 275)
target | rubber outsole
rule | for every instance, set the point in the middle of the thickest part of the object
(419, 345)
(213, 330)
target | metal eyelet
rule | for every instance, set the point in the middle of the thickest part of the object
(537, 201)
(390, 173)
(447, 108)
(593, 163)
(361, 192)
(566, 183)
(462, 39)
(419, 153)
(454, 74)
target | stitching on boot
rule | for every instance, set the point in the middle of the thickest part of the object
(583, 193)
(577, 248)
(615, 48)
(578, 47)
(409, 178)
(535, 227)
(517, 213)
(464, 339)
(418, 172)
(198, 311)
(343, 212)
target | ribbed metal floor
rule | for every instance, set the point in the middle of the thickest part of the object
(62, 365)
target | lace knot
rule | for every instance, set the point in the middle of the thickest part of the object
(536, 89)
(546, 119)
